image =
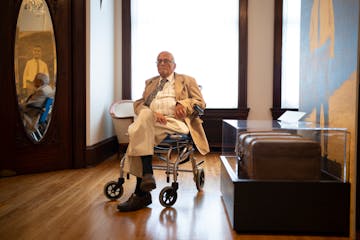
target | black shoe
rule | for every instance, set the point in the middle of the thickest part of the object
(135, 203)
(147, 183)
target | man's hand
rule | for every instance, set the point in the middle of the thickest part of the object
(180, 111)
(160, 118)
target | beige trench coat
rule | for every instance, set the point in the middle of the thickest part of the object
(188, 94)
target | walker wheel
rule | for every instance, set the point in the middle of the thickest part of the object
(113, 190)
(168, 196)
(199, 179)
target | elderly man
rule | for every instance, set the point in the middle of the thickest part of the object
(36, 100)
(166, 106)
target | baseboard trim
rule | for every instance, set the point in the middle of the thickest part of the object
(100, 151)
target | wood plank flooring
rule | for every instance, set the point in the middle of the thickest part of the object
(70, 204)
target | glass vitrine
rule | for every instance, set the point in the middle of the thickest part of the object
(334, 143)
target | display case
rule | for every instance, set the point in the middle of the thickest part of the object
(334, 143)
(276, 201)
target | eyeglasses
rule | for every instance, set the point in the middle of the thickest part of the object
(165, 61)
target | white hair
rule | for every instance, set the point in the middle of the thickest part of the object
(43, 77)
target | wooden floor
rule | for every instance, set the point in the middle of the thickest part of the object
(70, 204)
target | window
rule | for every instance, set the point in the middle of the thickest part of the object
(286, 57)
(290, 54)
(204, 41)
(214, 113)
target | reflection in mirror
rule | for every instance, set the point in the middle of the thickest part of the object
(35, 67)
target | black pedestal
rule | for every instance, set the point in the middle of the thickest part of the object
(298, 207)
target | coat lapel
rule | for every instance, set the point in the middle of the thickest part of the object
(179, 86)
(151, 86)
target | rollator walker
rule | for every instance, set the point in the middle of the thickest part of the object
(123, 115)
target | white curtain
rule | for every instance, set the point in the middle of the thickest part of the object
(203, 37)
(290, 54)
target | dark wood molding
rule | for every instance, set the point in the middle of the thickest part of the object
(78, 45)
(243, 54)
(101, 150)
(7, 105)
(126, 49)
(277, 54)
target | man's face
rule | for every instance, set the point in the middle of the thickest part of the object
(37, 82)
(165, 64)
(37, 52)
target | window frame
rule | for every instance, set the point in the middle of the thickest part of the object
(241, 111)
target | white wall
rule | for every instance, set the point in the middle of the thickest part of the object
(260, 58)
(100, 70)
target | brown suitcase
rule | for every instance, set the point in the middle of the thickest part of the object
(281, 159)
(243, 136)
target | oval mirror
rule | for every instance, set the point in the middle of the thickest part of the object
(35, 67)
